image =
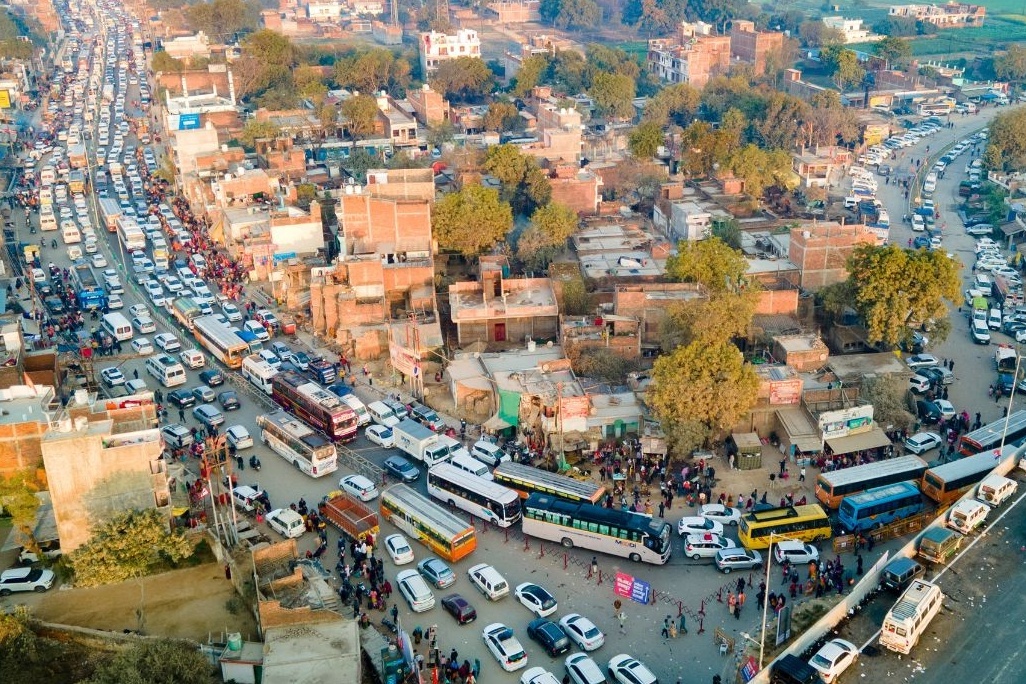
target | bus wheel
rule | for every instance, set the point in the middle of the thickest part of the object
(296, 464)
(635, 558)
(568, 542)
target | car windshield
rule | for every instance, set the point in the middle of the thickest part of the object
(819, 660)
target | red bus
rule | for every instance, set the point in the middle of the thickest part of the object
(315, 405)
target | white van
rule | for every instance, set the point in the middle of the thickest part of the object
(70, 233)
(994, 319)
(246, 497)
(995, 490)
(168, 371)
(258, 372)
(363, 417)
(381, 414)
(415, 590)
(489, 581)
(967, 515)
(472, 466)
(47, 221)
(488, 453)
(117, 326)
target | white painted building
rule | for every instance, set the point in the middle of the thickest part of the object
(682, 220)
(436, 47)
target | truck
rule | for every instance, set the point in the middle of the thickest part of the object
(286, 522)
(452, 446)
(186, 311)
(111, 211)
(349, 515)
(1005, 358)
(77, 156)
(1007, 293)
(420, 442)
(322, 371)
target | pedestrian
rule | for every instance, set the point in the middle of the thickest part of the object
(858, 565)
(783, 465)
(665, 634)
(594, 567)
(662, 508)
(740, 584)
(801, 474)
(682, 624)
(731, 603)
(621, 617)
(181, 415)
(395, 614)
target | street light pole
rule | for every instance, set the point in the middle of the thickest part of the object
(765, 602)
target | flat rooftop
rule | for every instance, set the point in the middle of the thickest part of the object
(622, 265)
(24, 404)
(522, 297)
(855, 365)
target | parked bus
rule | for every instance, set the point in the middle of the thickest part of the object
(167, 370)
(314, 404)
(186, 311)
(596, 528)
(298, 443)
(910, 616)
(258, 372)
(989, 437)
(219, 341)
(526, 480)
(794, 523)
(475, 495)
(448, 535)
(946, 483)
(880, 506)
(833, 486)
(90, 294)
(940, 108)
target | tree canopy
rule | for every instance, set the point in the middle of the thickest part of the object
(701, 389)
(896, 290)
(155, 662)
(369, 70)
(127, 545)
(709, 262)
(1006, 146)
(166, 64)
(471, 221)
(573, 15)
(1012, 64)
(645, 140)
(257, 130)
(463, 79)
(524, 185)
(222, 19)
(893, 50)
(359, 113)
(614, 95)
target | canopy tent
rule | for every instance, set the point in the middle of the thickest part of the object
(859, 442)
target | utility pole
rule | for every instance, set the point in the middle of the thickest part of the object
(217, 469)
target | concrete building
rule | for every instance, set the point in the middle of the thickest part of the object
(682, 220)
(495, 309)
(94, 471)
(820, 250)
(187, 47)
(401, 183)
(436, 48)
(804, 353)
(851, 29)
(751, 46)
(429, 106)
(319, 10)
(514, 11)
(649, 304)
(618, 334)
(951, 15)
(694, 57)
(821, 167)
(396, 123)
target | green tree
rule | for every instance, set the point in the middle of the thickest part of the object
(257, 130)
(654, 16)
(645, 140)
(360, 113)
(221, 19)
(471, 221)
(164, 63)
(781, 120)
(573, 15)
(720, 318)
(728, 231)
(155, 662)
(897, 26)
(815, 33)
(710, 262)
(896, 290)
(1006, 145)
(18, 643)
(267, 61)
(677, 103)
(501, 117)
(761, 169)
(577, 301)
(887, 394)
(556, 221)
(18, 499)
(531, 73)
(373, 69)
(535, 249)
(309, 84)
(614, 95)
(843, 66)
(127, 545)
(570, 72)
(463, 79)
(1011, 65)
(893, 50)
(524, 184)
(700, 390)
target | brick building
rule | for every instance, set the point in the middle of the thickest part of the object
(429, 106)
(497, 309)
(577, 188)
(694, 57)
(752, 46)
(820, 250)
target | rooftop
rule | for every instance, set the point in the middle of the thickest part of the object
(26, 404)
(622, 265)
(312, 653)
(797, 343)
(519, 297)
(857, 365)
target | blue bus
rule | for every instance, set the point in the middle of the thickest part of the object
(91, 295)
(879, 506)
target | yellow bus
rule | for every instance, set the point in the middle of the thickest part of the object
(448, 535)
(802, 523)
(527, 480)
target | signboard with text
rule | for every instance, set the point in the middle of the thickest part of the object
(630, 587)
(188, 122)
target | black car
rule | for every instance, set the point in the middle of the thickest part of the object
(54, 305)
(550, 635)
(934, 375)
(402, 468)
(929, 412)
(229, 400)
(182, 398)
(459, 608)
(211, 378)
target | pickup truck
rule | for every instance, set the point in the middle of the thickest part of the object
(349, 515)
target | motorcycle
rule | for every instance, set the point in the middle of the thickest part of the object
(254, 463)
(32, 229)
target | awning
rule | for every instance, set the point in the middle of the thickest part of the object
(864, 440)
(800, 430)
(496, 424)
(807, 444)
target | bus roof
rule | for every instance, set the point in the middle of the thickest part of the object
(576, 489)
(493, 490)
(778, 513)
(991, 434)
(441, 519)
(886, 467)
(600, 514)
(295, 428)
(969, 465)
(885, 492)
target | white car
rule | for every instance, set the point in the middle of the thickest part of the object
(583, 670)
(231, 312)
(698, 525)
(142, 345)
(628, 670)
(99, 261)
(705, 545)
(144, 324)
(399, 549)
(536, 599)
(138, 310)
(922, 361)
(359, 486)
(725, 515)
(115, 302)
(947, 409)
(505, 646)
(922, 441)
(380, 435)
(834, 658)
(239, 437)
(113, 376)
(167, 342)
(173, 284)
(582, 632)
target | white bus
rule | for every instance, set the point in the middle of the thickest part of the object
(117, 326)
(258, 372)
(619, 533)
(910, 616)
(167, 370)
(298, 443)
(475, 495)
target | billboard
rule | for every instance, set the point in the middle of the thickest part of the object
(188, 122)
(5, 99)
